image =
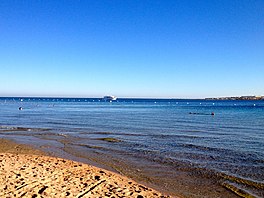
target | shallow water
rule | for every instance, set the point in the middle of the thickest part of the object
(177, 137)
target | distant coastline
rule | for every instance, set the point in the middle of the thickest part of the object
(238, 98)
(98, 99)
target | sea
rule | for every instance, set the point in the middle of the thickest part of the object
(183, 147)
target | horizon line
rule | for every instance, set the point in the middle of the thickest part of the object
(94, 97)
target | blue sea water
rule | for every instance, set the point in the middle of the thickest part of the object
(229, 144)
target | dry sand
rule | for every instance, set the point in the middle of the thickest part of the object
(32, 174)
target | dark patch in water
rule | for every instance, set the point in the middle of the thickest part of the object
(109, 139)
(88, 146)
(103, 133)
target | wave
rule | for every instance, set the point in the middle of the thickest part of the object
(243, 187)
(13, 129)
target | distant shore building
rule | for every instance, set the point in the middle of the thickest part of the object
(238, 98)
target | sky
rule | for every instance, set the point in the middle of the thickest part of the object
(131, 48)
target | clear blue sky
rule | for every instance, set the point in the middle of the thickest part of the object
(131, 48)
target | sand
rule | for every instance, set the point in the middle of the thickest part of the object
(26, 172)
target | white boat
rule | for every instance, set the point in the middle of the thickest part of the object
(109, 98)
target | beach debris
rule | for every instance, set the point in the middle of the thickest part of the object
(97, 177)
(42, 189)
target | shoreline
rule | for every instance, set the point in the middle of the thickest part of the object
(26, 171)
(174, 183)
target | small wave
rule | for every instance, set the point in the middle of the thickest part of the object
(241, 186)
(112, 133)
(161, 136)
(175, 136)
(237, 190)
(53, 134)
(12, 129)
(204, 148)
(97, 133)
(196, 131)
(248, 182)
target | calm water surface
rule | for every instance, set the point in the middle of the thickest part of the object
(176, 134)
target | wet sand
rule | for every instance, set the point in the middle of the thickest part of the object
(7, 146)
(177, 180)
(27, 172)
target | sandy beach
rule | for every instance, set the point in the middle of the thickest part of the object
(26, 172)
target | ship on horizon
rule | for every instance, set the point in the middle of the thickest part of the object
(109, 98)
